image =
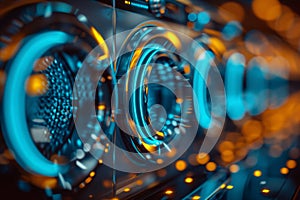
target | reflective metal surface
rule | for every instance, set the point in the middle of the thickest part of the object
(157, 99)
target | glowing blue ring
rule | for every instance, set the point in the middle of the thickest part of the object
(16, 132)
(145, 55)
(234, 76)
(203, 65)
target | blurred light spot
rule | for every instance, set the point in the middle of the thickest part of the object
(24, 186)
(43, 182)
(127, 189)
(223, 186)
(257, 173)
(265, 191)
(196, 197)
(230, 11)
(291, 164)
(180, 165)
(139, 182)
(82, 18)
(43, 63)
(8, 51)
(101, 107)
(294, 30)
(159, 161)
(187, 69)
(285, 21)
(92, 174)
(234, 168)
(169, 192)
(216, 45)
(193, 159)
(202, 158)
(211, 166)
(107, 183)
(226, 145)
(171, 153)
(81, 185)
(188, 180)
(284, 170)
(266, 9)
(233, 86)
(229, 187)
(252, 130)
(227, 156)
(192, 17)
(231, 30)
(88, 180)
(203, 17)
(37, 84)
(257, 43)
(263, 182)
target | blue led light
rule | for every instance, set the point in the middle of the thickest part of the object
(17, 135)
(234, 86)
(203, 17)
(203, 66)
(139, 5)
(231, 30)
(192, 17)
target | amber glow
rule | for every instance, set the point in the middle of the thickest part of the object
(230, 11)
(188, 180)
(37, 84)
(8, 51)
(257, 173)
(88, 180)
(211, 166)
(43, 182)
(202, 158)
(266, 9)
(159, 161)
(101, 42)
(285, 21)
(252, 130)
(265, 191)
(217, 45)
(101, 107)
(174, 39)
(234, 168)
(92, 174)
(229, 187)
(291, 164)
(196, 197)
(126, 189)
(168, 192)
(227, 156)
(180, 165)
(284, 170)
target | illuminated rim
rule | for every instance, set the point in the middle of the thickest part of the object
(17, 135)
(117, 158)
